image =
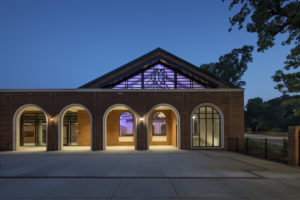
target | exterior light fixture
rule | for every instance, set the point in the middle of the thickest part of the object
(52, 119)
(141, 119)
(194, 117)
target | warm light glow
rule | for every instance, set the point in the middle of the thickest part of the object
(141, 119)
(194, 117)
(51, 118)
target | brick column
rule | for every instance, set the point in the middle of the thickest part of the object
(52, 134)
(293, 149)
(141, 143)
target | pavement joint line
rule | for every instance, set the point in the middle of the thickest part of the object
(129, 177)
(116, 189)
(52, 190)
(174, 188)
(234, 191)
(250, 171)
(261, 158)
(1, 169)
(248, 163)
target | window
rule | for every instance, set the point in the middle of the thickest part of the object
(158, 77)
(33, 129)
(70, 131)
(126, 124)
(159, 124)
(206, 127)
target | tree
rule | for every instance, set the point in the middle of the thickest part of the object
(254, 109)
(260, 115)
(269, 18)
(231, 66)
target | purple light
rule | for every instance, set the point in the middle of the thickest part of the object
(158, 77)
(126, 124)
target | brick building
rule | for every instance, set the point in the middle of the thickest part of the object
(157, 100)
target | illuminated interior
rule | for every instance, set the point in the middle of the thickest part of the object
(163, 127)
(75, 127)
(206, 127)
(33, 129)
(120, 128)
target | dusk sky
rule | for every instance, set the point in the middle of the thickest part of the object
(64, 44)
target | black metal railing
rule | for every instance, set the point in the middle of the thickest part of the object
(274, 149)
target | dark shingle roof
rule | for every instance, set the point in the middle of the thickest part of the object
(149, 59)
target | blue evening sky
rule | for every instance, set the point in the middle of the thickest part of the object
(64, 44)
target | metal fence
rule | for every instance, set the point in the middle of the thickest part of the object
(274, 149)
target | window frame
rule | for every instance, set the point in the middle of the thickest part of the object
(197, 114)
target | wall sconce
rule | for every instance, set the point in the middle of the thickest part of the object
(194, 117)
(141, 119)
(52, 119)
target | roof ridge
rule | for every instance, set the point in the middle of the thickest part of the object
(161, 52)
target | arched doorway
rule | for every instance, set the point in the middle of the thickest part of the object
(75, 128)
(163, 127)
(119, 128)
(30, 128)
(207, 123)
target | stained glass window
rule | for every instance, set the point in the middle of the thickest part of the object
(126, 124)
(206, 129)
(159, 124)
(158, 77)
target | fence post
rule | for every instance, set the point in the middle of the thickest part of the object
(237, 144)
(285, 147)
(266, 148)
(246, 145)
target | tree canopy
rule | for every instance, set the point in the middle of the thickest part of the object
(259, 115)
(270, 18)
(231, 66)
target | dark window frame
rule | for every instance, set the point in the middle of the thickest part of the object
(35, 119)
(198, 115)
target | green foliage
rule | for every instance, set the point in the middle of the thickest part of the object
(231, 66)
(269, 18)
(292, 102)
(275, 114)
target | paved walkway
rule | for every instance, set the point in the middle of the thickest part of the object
(172, 174)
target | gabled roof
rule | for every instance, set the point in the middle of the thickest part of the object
(157, 56)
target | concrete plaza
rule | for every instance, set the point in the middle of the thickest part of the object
(153, 174)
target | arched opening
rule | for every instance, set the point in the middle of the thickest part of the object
(30, 128)
(119, 130)
(163, 127)
(75, 128)
(207, 126)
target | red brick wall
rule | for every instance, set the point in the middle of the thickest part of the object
(293, 148)
(174, 124)
(84, 128)
(230, 102)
